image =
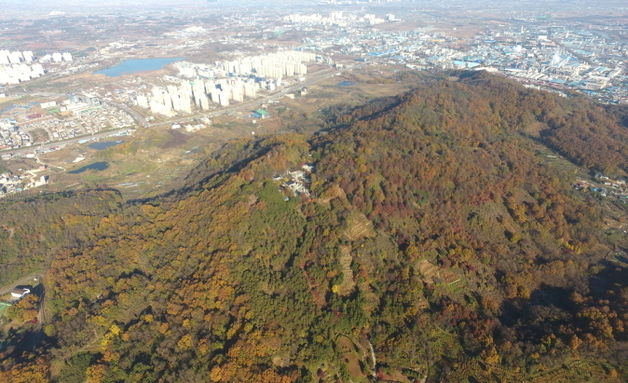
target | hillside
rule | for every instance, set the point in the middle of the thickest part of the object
(33, 230)
(423, 238)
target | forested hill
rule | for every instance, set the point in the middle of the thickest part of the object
(426, 238)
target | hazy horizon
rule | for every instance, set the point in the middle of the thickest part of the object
(35, 5)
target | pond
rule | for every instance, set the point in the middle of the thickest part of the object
(104, 144)
(98, 166)
(346, 83)
(137, 65)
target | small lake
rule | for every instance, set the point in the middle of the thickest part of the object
(104, 144)
(98, 166)
(346, 83)
(137, 65)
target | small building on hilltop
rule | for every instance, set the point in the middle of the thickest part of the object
(19, 293)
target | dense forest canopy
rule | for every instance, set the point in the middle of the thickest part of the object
(429, 241)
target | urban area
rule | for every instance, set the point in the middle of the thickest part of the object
(233, 63)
